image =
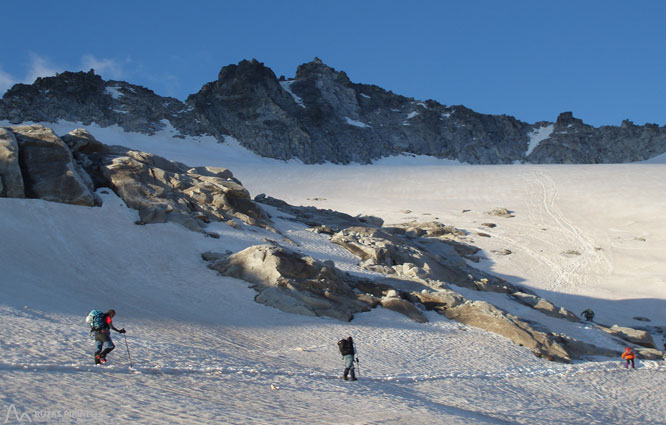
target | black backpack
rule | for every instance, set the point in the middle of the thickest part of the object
(345, 347)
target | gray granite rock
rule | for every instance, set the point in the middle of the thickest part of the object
(48, 167)
(11, 179)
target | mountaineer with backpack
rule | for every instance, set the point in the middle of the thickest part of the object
(348, 351)
(589, 314)
(101, 324)
(629, 356)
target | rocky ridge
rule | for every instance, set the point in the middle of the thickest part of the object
(320, 115)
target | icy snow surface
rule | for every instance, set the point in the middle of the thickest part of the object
(204, 352)
(286, 85)
(356, 123)
(538, 135)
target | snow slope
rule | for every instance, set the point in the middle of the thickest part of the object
(204, 352)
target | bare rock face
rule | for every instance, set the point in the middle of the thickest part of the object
(648, 353)
(395, 303)
(11, 179)
(483, 315)
(48, 167)
(35, 163)
(544, 306)
(163, 190)
(431, 229)
(294, 283)
(439, 300)
(634, 336)
(376, 247)
(416, 256)
(321, 221)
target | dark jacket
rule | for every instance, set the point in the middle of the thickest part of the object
(103, 334)
(347, 346)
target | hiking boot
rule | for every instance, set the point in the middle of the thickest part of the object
(97, 358)
(353, 376)
(102, 360)
(344, 375)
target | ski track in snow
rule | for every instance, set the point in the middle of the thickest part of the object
(568, 278)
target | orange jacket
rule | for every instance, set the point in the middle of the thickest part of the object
(628, 355)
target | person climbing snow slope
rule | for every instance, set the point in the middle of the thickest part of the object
(101, 324)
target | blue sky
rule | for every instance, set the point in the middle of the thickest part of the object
(603, 60)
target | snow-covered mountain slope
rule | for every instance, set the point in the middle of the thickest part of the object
(204, 352)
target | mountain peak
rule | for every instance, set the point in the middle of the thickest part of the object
(247, 70)
(317, 69)
(62, 84)
(567, 118)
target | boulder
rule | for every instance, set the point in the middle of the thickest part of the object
(293, 282)
(11, 179)
(634, 336)
(48, 167)
(395, 303)
(439, 300)
(501, 212)
(371, 220)
(648, 353)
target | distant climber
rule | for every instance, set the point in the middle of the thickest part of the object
(629, 356)
(348, 351)
(589, 314)
(101, 324)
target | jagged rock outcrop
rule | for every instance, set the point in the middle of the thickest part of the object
(293, 282)
(430, 260)
(320, 115)
(573, 142)
(11, 179)
(48, 168)
(163, 190)
(322, 221)
(86, 98)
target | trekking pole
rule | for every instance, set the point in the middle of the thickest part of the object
(358, 366)
(128, 353)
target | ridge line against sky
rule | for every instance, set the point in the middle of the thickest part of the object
(602, 60)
